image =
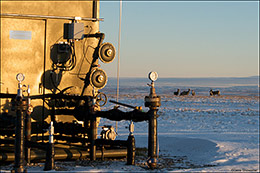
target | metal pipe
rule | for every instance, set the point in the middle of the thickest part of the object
(5, 95)
(51, 96)
(44, 76)
(122, 104)
(152, 138)
(131, 150)
(152, 145)
(117, 115)
(49, 162)
(152, 101)
(98, 142)
(40, 17)
(19, 137)
(66, 154)
(94, 15)
(93, 136)
(28, 125)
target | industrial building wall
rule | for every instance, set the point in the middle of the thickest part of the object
(26, 43)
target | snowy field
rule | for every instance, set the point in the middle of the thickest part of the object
(195, 133)
(204, 133)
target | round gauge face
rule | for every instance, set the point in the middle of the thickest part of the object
(20, 77)
(153, 76)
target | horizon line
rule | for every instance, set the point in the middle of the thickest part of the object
(192, 77)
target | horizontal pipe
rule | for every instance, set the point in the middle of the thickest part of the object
(4, 95)
(49, 17)
(71, 139)
(122, 104)
(117, 115)
(58, 96)
(52, 96)
(65, 154)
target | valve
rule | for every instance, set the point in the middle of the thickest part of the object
(20, 77)
(101, 99)
(108, 133)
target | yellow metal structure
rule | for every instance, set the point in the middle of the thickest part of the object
(28, 31)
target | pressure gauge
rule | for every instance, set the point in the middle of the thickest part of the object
(153, 76)
(20, 77)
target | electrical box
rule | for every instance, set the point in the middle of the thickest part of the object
(73, 31)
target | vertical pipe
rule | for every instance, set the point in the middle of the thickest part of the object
(28, 137)
(0, 71)
(94, 14)
(131, 150)
(49, 162)
(152, 138)
(28, 127)
(19, 137)
(50, 152)
(44, 67)
(93, 136)
(53, 111)
(102, 152)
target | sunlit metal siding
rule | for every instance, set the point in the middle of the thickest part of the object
(27, 50)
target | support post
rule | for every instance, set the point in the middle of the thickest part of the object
(93, 136)
(28, 127)
(131, 150)
(19, 136)
(153, 102)
(49, 163)
(94, 15)
(152, 139)
(28, 137)
(131, 145)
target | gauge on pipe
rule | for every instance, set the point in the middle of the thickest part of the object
(20, 77)
(153, 76)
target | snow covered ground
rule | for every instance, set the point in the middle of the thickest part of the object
(195, 133)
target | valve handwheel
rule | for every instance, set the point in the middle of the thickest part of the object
(101, 99)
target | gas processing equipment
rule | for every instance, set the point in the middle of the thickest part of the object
(50, 78)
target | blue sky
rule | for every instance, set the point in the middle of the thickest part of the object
(183, 39)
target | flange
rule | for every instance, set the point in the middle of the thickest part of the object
(106, 52)
(98, 78)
